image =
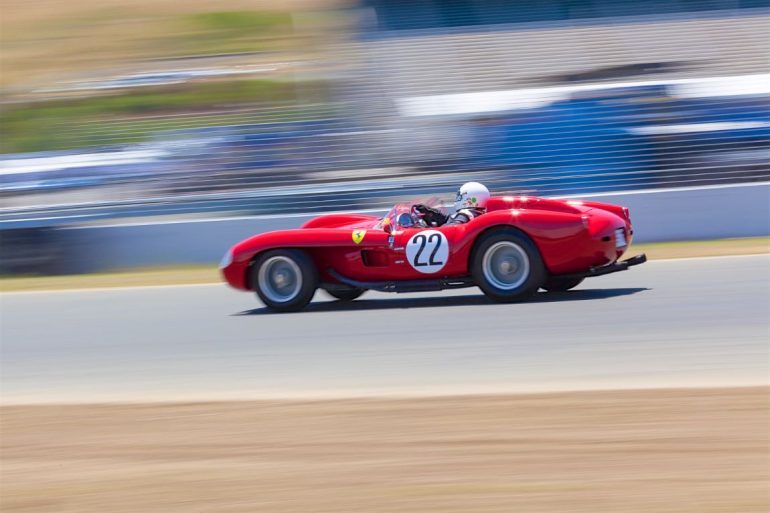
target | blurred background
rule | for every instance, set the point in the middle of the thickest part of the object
(131, 111)
(154, 134)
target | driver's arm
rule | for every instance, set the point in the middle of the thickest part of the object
(459, 218)
(430, 216)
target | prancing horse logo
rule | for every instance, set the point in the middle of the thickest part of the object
(358, 236)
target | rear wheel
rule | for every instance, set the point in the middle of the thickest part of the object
(284, 279)
(345, 294)
(507, 266)
(557, 284)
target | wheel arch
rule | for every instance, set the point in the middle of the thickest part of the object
(494, 228)
(268, 287)
(527, 275)
(249, 266)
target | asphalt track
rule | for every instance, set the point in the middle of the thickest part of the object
(696, 322)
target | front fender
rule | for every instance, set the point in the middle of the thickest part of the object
(243, 253)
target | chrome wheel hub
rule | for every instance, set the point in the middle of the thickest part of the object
(280, 279)
(506, 265)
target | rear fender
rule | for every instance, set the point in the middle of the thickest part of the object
(557, 235)
(619, 211)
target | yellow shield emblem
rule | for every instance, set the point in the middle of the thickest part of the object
(358, 236)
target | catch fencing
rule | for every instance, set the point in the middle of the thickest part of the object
(580, 105)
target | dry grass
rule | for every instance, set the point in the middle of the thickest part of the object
(153, 277)
(667, 451)
(48, 39)
(699, 248)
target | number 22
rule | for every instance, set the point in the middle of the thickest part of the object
(435, 240)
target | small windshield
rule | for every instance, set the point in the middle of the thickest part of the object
(406, 208)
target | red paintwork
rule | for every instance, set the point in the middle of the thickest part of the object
(568, 234)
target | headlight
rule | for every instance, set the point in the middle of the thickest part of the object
(227, 259)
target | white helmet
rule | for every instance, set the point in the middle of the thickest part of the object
(472, 195)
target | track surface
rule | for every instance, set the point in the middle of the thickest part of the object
(699, 322)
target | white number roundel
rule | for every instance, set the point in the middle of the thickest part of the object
(428, 251)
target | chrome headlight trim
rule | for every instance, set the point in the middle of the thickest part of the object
(227, 259)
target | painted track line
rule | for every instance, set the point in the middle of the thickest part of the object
(220, 283)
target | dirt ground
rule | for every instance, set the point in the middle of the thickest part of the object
(672, 451)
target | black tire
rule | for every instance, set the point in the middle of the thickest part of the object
(557, 284)
(514, 268)
(346, 294)
(285, 280)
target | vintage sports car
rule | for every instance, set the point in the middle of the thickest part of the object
(519, 245)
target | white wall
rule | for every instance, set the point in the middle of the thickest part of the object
(677, 214)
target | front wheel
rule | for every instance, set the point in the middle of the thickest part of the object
(507, 266)
(284, 279)
(557, 284)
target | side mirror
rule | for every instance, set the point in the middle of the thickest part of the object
(405, 220)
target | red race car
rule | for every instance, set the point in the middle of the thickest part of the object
(519, 245)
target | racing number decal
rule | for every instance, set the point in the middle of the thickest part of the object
(428, 251)
(436, 241)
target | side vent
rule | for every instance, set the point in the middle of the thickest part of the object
(373, 258)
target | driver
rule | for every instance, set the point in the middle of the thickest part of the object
(470, 202)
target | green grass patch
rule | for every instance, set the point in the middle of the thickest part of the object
(65, 124)
(232, 32)
(240, 23)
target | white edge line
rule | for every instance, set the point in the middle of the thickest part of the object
(386, 393)
(222, 283)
